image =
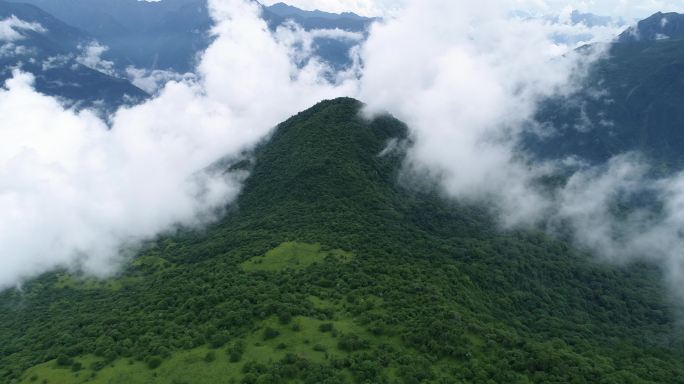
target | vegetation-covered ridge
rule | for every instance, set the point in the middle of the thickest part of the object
(380, 284)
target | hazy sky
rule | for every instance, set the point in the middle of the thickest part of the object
(628, 9)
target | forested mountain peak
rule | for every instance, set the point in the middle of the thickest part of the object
(328, 149)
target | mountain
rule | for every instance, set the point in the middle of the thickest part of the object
(590, 20)
(49, 48)
(170, 34)
(329, 269)
(316, 19)
(285, 10)
(657, 27)
(631, 101)
(155, 35)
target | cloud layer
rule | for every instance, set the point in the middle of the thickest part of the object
(11, 28)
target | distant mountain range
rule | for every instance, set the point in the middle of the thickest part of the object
(169, 34)
(166, 35)
(49, 49)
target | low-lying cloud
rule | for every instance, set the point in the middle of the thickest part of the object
(91, 56)
(12, 27)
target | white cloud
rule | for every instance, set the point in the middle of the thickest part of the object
(151, 81)
(11, 27)
(56, 61)
(91, 57)
(13, 50)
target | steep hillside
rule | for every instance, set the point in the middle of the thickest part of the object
(328, 270)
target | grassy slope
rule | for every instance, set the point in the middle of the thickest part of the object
(433, 293)
(293, 255)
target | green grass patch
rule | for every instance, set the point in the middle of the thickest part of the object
(303, 336)
(293, 255)
(152, 262)
(183, 367)
(66, 280)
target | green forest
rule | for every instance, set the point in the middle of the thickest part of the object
(329, 269)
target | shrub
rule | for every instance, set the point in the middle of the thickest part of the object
(63, 360)
(234, 356)
(351, 343)
(270, 333)
(210, 356)
(284, 318)
(153, 362)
